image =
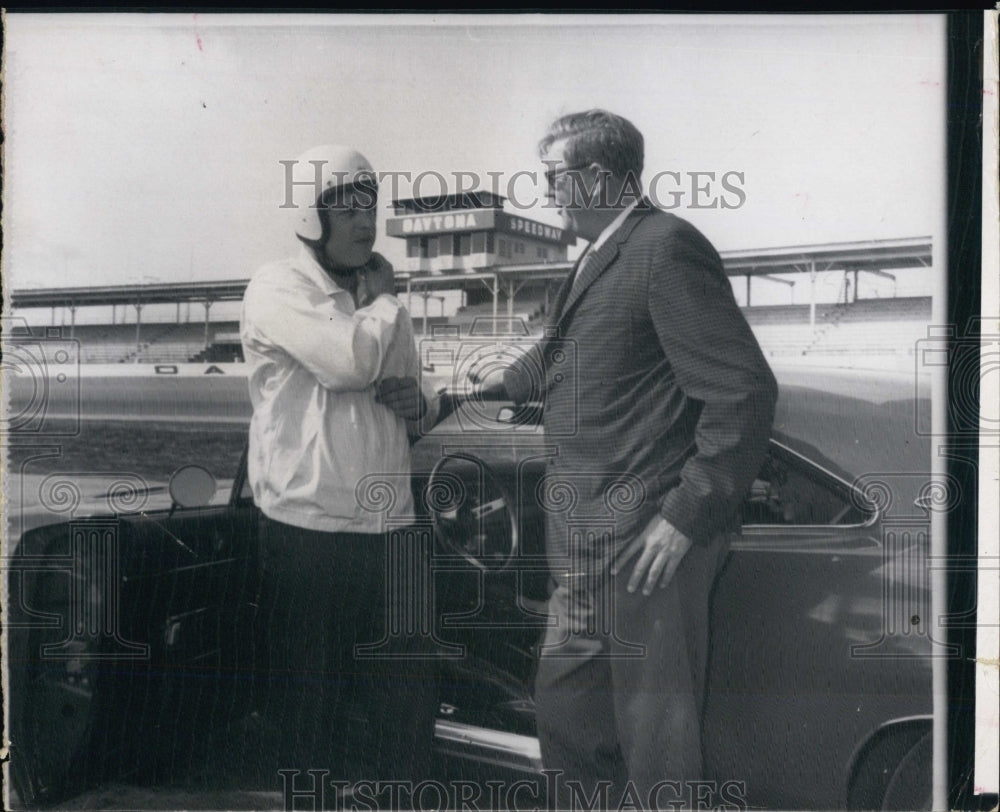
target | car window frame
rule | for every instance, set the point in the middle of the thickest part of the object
(826, 478)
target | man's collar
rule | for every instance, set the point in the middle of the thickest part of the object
(614, 225)
(315, 271)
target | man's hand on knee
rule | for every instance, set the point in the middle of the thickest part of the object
(661, 547)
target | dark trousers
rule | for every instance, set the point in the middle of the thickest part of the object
(625, 707)
(355, 693)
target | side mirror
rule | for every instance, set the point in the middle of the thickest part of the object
(192, 486)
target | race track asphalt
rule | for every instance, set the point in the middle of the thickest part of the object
(857, 418)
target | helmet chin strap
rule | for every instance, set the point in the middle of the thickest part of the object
(347, 278)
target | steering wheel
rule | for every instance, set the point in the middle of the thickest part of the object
(472, 514)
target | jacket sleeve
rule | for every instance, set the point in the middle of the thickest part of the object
(717, 361)
(524, 377)
(344, 351)
(432, 401)
(402, 359)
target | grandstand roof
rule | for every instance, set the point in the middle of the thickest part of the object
(157, 293)
(911, 252)
(872, 255)
(541, 270)
(876, 255)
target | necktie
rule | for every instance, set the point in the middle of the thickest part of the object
(567, 287)
(581, 267)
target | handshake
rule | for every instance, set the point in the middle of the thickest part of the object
(403, 396)
(483, 390)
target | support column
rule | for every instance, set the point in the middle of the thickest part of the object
(426, 295)
(138, 330)
(178, 312)
(496, 290)
(208, 308)
(748, 290)
(72, 321)
(53, 315)
(510, 305)
(409, 296)
(114, 310)
(812, 296)
(855, 284)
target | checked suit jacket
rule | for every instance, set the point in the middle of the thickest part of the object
(657, 397)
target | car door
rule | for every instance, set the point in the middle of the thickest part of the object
(819, 639)
(126, 633)
(819, 635)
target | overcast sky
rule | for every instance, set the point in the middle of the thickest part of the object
(146, 147)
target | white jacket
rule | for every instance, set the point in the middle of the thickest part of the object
(317, 433)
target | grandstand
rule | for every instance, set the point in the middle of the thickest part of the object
(876, 326)
(159, 343)
(888, 326)
(530, 312)
(867, 326)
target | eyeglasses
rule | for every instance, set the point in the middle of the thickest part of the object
(552, 175)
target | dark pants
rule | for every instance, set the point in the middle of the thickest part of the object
(625, 707)
(356, 694)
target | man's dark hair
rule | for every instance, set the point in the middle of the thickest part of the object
(597, 136)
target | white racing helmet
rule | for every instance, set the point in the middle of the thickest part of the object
(313, 173)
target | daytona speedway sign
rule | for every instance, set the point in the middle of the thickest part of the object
(453, 222)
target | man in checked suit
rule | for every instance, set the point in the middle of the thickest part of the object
(669, 393)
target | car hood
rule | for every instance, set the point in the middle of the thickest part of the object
(39, 500)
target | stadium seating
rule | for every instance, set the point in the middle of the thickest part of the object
(116, 343)
(870, 338)
(868, 326)
(912, 308)
(528, 310)
(783, 339)
(780, 314)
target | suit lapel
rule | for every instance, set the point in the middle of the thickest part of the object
(599, 262)
(559, 303)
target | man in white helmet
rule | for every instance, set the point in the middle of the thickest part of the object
(333, 377)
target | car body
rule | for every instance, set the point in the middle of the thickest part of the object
(133, 636)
